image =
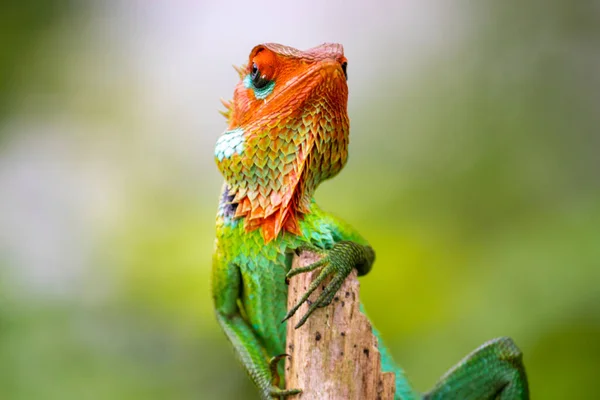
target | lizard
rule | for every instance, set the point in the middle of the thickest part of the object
(288, 131)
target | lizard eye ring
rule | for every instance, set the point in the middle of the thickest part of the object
(259, 81)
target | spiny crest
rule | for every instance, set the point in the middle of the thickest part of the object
(228, 107)
(241, 70)
(288, 131)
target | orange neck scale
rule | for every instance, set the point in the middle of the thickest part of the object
(287, 132)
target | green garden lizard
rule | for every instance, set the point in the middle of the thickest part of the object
(287, 132)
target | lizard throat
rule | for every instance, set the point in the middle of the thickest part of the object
(280, 212)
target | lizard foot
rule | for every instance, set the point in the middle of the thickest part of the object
(339, 262)
(275, 391)
(281, 394)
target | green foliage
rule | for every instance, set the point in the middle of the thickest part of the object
(23, 28)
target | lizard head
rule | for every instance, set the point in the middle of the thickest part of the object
(287, 132)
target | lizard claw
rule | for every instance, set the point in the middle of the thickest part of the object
(281, 394)
(273, 362)
(339, 262)
(275, 390)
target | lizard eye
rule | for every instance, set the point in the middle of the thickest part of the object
(344, 67)
(259, 81)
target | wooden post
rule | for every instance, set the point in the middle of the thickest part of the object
(334, 354)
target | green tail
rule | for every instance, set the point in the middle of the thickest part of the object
(494, 371)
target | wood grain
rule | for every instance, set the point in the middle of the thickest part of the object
(334, 354)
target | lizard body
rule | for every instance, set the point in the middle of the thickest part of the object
(287, 132)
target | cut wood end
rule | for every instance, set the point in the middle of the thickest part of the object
(334, 355)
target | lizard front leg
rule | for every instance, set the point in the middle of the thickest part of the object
(347, 251)
(226, 283)
(493, 371)
(339, 262)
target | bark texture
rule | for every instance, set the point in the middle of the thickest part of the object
(334, 354)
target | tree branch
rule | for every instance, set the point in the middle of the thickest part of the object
(334, 355)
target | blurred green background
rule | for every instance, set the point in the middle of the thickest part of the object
(473, 171)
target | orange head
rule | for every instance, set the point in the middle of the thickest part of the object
(288, 131)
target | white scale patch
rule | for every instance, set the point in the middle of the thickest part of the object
(229, 143)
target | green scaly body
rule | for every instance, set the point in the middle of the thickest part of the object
(260, 271)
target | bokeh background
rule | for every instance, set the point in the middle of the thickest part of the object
(474, 172)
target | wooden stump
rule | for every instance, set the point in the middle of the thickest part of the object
(334, 354)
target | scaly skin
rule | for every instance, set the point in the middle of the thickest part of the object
(287, 132)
